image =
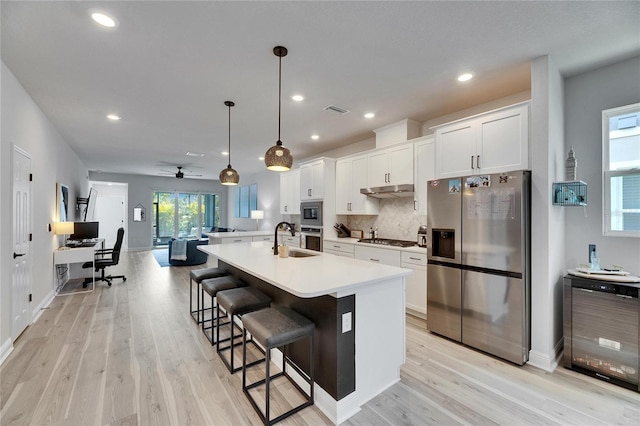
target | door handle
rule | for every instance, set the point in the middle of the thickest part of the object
(18, 254)
(478, 161)
(472, 162)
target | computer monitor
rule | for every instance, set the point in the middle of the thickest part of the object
(84, 231)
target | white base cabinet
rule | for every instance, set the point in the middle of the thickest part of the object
(378, 255)
(416, 283)
(338, 249)
(493, 142)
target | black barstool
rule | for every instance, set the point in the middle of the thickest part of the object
(212, 286)
(237, 302)
(198, 275)
(274, 328)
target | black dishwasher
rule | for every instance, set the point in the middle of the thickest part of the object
(601, 321)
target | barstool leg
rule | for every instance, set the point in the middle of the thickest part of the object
(267, 383)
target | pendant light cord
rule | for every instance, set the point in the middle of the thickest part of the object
(229, 165)
(279, 96)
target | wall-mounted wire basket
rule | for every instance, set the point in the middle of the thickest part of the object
(572, 193)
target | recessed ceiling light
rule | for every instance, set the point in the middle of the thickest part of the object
(114, 117)
(297, 98)
(225, 153)
(465, 77)
(315, 137)
(369, 115)
(194, 154)
(103, 19)
(261, 158)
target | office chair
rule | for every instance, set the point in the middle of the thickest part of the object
(105, 258)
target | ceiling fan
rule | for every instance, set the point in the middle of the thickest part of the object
(180, 173)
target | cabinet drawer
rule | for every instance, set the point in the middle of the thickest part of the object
(377, 255)
(263, 238)
(237, 240)
(291, 241)
(338, 253)
(341, 247)
(414, 258)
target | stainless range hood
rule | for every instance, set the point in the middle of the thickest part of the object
(389, 191)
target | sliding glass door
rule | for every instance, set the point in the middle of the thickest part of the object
(183, 215)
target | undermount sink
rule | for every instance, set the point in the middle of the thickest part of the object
(294, 253)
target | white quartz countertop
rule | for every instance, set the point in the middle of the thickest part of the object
(236, 234)
(413, 249)
(323, 274)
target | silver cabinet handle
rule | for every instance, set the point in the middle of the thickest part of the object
(237, 241)
(413, 258)
(374, 260)
(478, 161)
(415, 205)
(472, 162)
(285, 208)
(309, 192)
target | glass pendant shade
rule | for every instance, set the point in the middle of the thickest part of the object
(278, 158)
(229, 176)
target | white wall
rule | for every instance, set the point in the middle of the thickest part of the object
(587, 95)
(141, 190)
(24, 125)
(268, 185)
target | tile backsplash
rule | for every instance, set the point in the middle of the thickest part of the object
(396, 220)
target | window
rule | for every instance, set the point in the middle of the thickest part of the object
(246, 199)
(621, 171)
(183, 215)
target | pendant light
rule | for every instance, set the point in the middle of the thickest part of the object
(229, 176)
(278, 158)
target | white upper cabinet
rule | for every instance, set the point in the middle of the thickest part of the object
(493, 142)
(425, 164)
(312, 181)
(351, 175)
(290, 192)
(391, 166)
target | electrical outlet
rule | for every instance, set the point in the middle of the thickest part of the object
(346, 322)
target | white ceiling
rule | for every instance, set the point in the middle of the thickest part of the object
(169, 66)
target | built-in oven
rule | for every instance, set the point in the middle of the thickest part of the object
(311, 237)
(311, 214)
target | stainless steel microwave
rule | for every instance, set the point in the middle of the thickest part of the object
(311, 213)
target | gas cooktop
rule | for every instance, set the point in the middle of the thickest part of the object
(388, 242)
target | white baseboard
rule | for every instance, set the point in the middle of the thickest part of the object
(38, 309)
(5, 350)
(547, 362)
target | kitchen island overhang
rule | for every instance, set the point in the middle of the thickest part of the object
(352, 364)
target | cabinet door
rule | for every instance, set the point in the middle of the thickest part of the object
(312, 181)
(377, 165)
(306, 181)
(400, 164)
(416, 290)
(504, 141)
(424, 172)
(343, 186)
(456, 150)
(360, 203)
(294, 192)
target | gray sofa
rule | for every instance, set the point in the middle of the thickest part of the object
(194, 256)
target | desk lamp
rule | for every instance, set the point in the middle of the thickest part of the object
(64, 228)
(257, 215)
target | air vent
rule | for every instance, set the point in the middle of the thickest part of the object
(337, 109)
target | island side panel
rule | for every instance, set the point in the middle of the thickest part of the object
(334, 350)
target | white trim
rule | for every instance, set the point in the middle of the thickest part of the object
(546, 362)
(42, 306)
(5, 350)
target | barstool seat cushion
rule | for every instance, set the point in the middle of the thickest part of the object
(238, 301)
(276, 327)
(198, 275)
(213, 285)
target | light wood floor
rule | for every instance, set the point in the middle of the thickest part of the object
(132, 355)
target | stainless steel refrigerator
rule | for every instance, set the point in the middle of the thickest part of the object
(478, 272)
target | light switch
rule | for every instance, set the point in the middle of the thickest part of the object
(346, 322)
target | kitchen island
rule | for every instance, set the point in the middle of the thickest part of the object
(354, 304)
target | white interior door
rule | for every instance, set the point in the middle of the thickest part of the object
(110, 212)
(21, 284)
